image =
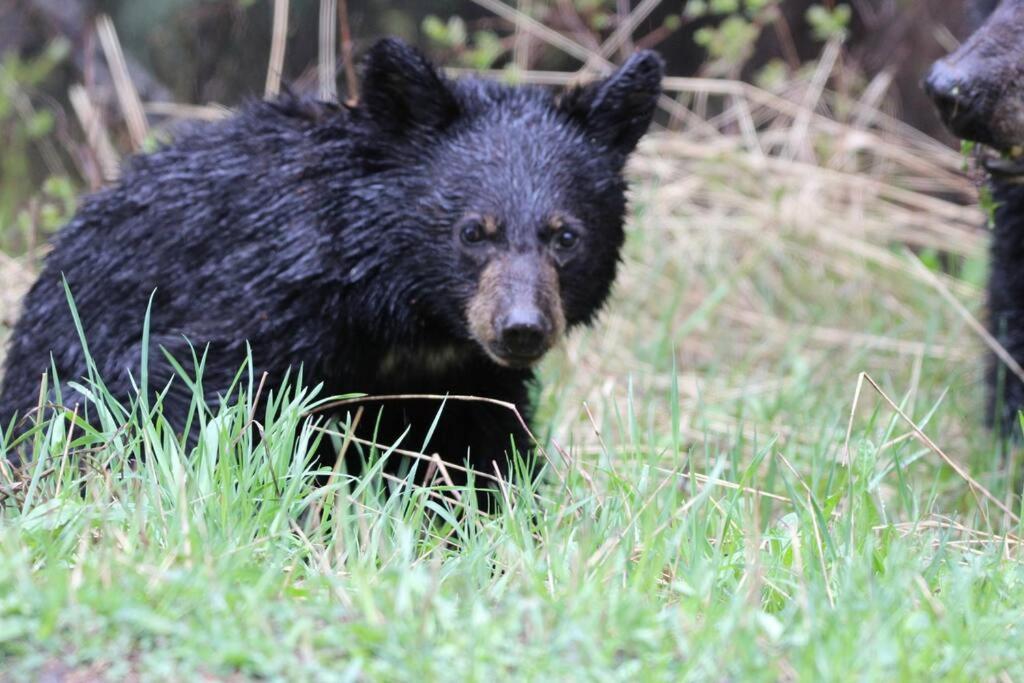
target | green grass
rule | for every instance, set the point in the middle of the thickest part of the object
(231, 559)
(711, 512)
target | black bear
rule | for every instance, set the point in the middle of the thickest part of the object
(979, 92)
(437, 238)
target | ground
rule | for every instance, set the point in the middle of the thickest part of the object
(730, 498)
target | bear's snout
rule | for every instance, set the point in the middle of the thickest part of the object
(524, 332)
(956, 96)
(974, 88)
(516, 313)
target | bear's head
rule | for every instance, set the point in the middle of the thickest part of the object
(516, 193)
(979, 88)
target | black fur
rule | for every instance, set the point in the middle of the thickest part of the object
(979, 92)
(323, 237)
(1006, 304)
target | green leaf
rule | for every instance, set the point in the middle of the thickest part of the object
(725, 6)
(695, 9)
(39, 124)
(826, 23)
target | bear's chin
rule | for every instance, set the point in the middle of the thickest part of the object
(510, 361)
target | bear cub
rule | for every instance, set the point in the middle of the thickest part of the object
(436, 238)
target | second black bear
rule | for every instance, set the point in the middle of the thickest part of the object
(437, 238)
(979, 92)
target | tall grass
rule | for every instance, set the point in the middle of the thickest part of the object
(126, 551)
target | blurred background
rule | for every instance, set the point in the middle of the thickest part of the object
(217, 51)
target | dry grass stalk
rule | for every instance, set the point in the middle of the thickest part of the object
(528, 24)
(279, 38)
(716, 481)
(569, 46)
(96, 136)
(975, 486)
(998, 349)
(796, 146)
(511, 407)
(623, 33)
(521, 40)
(127, 95)
(351, 81)
(194, 112)
(327, 71)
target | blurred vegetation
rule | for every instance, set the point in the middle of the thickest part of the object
(30, 152)
(216, 51)
(728, 30)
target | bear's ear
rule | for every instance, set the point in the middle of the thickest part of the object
(616, 111)
(401, 89)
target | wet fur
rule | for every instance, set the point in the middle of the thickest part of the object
(1006, 305)
(321, 236)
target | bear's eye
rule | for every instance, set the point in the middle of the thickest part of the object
(472, 233)
(566, 239)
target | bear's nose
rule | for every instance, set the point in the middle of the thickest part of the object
(523, 332)
(950, 88)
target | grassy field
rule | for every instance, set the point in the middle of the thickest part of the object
(766, 462)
